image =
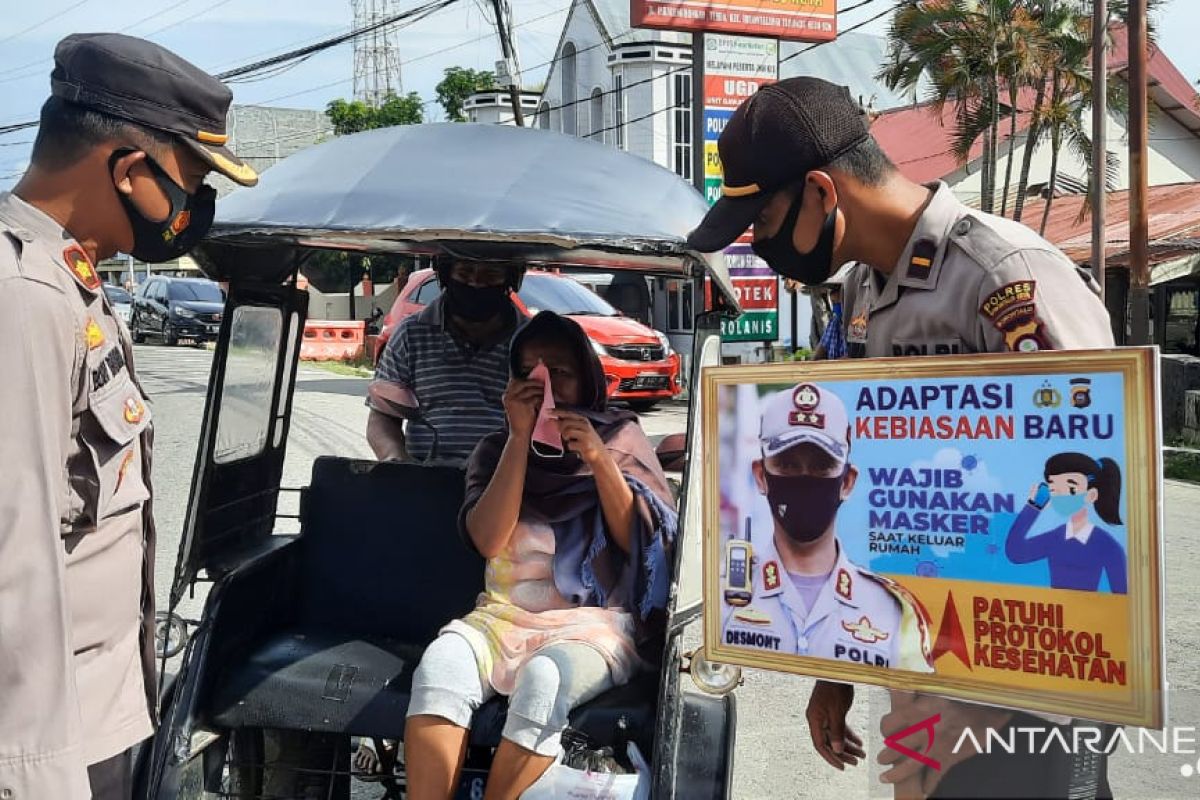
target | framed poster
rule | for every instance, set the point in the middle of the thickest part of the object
(983, 527)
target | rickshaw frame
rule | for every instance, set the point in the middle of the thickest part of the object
(261, 259)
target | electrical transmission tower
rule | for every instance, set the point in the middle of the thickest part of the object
(376, 54)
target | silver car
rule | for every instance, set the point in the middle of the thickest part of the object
(120, 300)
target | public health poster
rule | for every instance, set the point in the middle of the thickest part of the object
(984, 528)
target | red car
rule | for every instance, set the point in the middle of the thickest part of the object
(639, 364)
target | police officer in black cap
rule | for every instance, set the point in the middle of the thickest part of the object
(126, 139)
(933, 276)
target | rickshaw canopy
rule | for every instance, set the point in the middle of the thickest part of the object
(498, 191)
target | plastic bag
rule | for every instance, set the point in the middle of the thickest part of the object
(571, 783)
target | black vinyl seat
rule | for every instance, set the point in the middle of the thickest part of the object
(381, 569)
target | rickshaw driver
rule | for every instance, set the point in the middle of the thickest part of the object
(445, 369)
(125, 141)
(808, 598)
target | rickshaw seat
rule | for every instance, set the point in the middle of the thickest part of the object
(381, 569)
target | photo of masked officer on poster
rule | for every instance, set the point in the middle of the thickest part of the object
(805, 596)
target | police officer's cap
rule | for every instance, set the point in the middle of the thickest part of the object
(775, 138)
(148, 85)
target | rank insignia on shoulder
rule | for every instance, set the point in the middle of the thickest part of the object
(771, 576)
(920, 264)
(845, 585)
(92, 334)
(81, 267)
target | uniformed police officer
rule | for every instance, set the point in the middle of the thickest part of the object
(934, 277)
(807, 597)
(125, 141)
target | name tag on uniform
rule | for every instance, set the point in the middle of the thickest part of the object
(108, 368)
(934, 347)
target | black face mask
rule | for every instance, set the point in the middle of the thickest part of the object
(803, 505)
(811, 268)
(189, 218)
(476, 303)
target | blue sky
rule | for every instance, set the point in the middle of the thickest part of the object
(220, 34)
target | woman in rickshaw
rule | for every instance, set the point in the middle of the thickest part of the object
(578, 546)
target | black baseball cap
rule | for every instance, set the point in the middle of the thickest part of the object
(146, 84)
(781, 133)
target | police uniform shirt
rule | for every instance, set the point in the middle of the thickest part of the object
(76, 535)
(858, 617)
(969, 282)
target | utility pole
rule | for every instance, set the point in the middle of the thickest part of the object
(1139, 228)
(1099, 139)
(504, 32)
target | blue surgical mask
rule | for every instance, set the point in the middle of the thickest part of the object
(1067, 505)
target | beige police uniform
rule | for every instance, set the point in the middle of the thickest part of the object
(858, 617)
(969, 282)
(77, 680)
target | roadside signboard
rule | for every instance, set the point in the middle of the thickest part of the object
(735, 67)
(798, 20)
(993, 532)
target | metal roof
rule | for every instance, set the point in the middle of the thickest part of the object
(1174, 224)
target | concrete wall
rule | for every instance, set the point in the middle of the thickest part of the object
(1180, 375)
(336, 305)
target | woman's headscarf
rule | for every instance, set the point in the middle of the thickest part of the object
(562, 492)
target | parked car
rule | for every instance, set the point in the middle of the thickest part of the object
(120, 300)
(639, 364)
(171, 309)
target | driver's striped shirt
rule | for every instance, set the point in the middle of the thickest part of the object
(459, 386)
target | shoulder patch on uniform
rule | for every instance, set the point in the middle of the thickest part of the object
(844, 586)
(1012, 310)
(81, 267)
(771, 578)
(920, 263)
(912, 612)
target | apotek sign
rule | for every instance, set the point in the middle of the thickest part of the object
(734, 69)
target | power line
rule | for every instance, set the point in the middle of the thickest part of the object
(851, 29)
(156, 14)
(415, 59)
(43, 61)
(410, 16)
(413, 14)
(200, 13)
(50, 18)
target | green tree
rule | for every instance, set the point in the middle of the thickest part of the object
(457, 85)
(352, 116)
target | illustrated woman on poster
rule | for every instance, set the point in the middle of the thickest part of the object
(1077, 551)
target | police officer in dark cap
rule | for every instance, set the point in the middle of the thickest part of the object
(932, 277)
(126, 139)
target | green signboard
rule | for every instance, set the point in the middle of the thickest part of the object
(752, 326)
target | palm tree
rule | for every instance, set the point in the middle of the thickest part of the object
(967, 49)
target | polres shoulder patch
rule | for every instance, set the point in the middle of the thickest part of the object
(1012, 310)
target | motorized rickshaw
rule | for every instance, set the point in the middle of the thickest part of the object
(314, 622)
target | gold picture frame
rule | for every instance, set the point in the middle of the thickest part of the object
(1141, 700)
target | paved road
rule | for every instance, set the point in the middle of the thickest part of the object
(774, 759)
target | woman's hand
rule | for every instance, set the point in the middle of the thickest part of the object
(522, 399)
(580, 437)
